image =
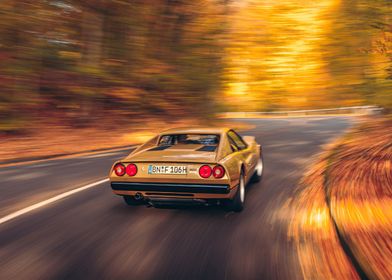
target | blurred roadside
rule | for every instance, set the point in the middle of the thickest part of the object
(55, 141)
(344, 208)
(358, 184)
(80, 63)
(347, 111)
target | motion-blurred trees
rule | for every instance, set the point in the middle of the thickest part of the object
(382, 46)
(80, 60)
(75, 62)
(290, 55)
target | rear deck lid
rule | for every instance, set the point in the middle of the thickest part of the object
(176, 153)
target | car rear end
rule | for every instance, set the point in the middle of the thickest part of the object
(184, 170)
(153, 181)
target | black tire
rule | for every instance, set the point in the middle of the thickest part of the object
(131, 201)
(258, 175)
(237, 203)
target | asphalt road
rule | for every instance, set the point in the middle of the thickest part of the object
(93, 235)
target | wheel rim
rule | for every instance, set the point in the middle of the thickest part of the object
(259, 168)
(242, 189)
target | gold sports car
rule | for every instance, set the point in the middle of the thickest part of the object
(194, 165)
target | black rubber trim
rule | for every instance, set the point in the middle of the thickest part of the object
(207, 149)
(169, 194)
(168, 187)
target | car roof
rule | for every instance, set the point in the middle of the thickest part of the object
(196, 130)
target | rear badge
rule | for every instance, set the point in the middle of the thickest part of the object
(193, 170)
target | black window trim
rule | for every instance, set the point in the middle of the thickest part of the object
(232, 142)
(240, 138)
(171, 134)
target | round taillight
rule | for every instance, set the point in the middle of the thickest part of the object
(131, 169)
(119, 169)
(218, 172)
(205, 171)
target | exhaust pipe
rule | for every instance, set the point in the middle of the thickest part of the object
(138, 196)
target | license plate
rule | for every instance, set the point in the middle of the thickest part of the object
(167, 169)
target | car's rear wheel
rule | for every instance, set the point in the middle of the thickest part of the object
(237, 203)
(258, 175)
(130, 200)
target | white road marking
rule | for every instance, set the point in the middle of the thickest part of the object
(297, 143)
(40, 165)
(49, 201)
(26, 176)
(102, 155)
(37, 163)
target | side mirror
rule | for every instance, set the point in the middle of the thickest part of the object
(249, 139)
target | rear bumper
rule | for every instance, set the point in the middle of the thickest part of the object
(170, 188)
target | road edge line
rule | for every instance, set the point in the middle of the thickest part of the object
(21, 161)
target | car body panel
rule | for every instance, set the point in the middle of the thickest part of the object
(191, 156)
(174, 155)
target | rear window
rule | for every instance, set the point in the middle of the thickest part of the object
(184, 139)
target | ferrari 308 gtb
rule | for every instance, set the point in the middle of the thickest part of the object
(194, 165)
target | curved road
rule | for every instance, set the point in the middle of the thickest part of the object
(93, 235)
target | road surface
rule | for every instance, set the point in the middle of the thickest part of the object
(92, 234)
